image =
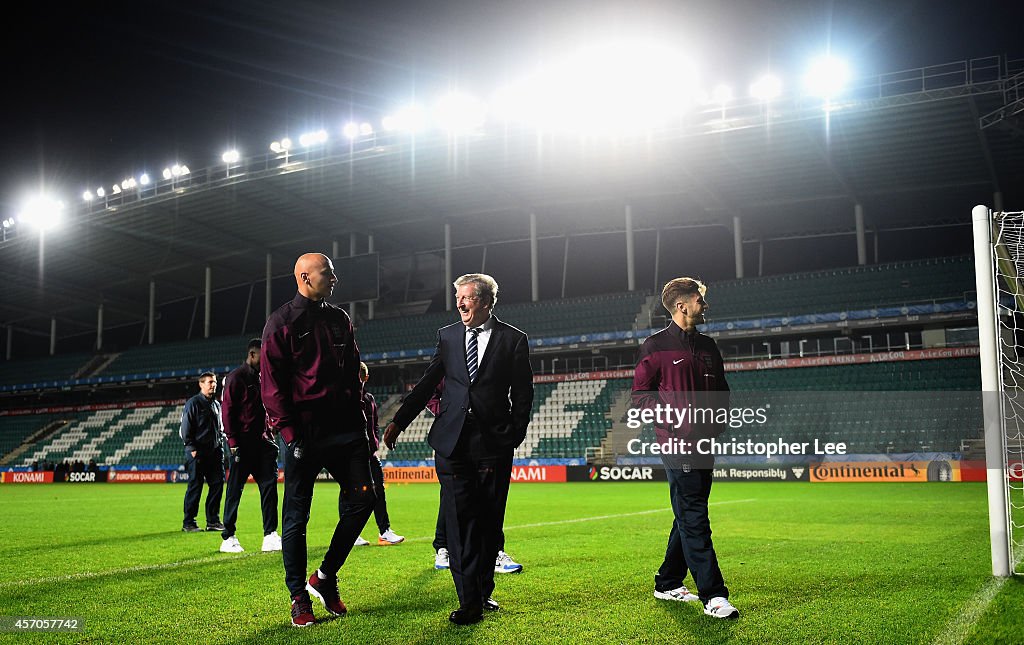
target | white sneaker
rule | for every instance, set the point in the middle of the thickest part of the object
(231, 545)
(505, 564)
(389, 537)
(360, 541)
(682, 594)
(441, 559)
(720, 607)
(272, 542)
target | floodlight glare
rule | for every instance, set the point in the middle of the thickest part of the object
(365, 129)
(826, 77)
(351, 130)
(408, 119)
(312, 138)
(276, 148)
(144, 179)
(100, 192)
(232, 156)
(457, 112)
(87, 196)
(766, 88)
(286, 144)
(41, 212)
(167, 173)
(115, 190)
(722, 94)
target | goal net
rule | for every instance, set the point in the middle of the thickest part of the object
(999, 257)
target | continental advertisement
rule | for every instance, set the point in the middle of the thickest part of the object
(887, 471)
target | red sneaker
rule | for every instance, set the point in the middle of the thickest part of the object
(326, 591)
(302, 611)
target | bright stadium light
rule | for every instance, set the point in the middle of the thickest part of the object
(115, 190)
(766, 88)
(619, 85)
(308, 139)
(88, 196)
(144, 179)
(457, 112)
(100, 192)
(722, 94)
(407, 119)
(365, 129)
(41, 212)
(231, 156)
(826, 77)
(350, 130)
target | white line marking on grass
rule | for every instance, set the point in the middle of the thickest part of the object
(958, 628)
(85, 575)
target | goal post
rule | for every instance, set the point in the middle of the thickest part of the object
(987, 240)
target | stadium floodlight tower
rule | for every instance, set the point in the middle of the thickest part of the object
(999, 260)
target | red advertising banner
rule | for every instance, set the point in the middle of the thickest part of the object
(137, 476)
(92, 407)
(23, 477)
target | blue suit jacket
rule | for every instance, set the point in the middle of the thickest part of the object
(501, 397)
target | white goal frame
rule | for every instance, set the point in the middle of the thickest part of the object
(986, 250)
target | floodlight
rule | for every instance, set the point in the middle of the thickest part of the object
(100, 192)
(351, 130)
(286, 144)
(185, 170)
(115, 190)
(8, 223)
(276, 148)
(312, 138)
(41, 212)
(144, 179)
(232, 156)
(826, 77)
(365, 129)
(722, 94)
(766, 88)
(88, 196)
(167, 173)
(458, 112)
(409, 119)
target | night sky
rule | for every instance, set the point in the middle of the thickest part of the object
(97, 92)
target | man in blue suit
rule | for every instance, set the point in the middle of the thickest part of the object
(485, 408)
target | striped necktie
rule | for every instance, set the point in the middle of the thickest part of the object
(471, 352)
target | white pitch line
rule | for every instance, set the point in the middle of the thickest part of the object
(85, 575)
(960, 626)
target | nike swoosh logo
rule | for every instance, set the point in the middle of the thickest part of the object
(301, 336)
(673, 362)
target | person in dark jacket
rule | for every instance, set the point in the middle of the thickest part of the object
(484, 414)
(682, 368)
(204, 458)
(385, 536)
(309, 379)
(253, 451)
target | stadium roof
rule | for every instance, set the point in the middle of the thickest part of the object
(916, 149)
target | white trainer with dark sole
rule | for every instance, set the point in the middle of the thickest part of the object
(682, 594)
(720, 607)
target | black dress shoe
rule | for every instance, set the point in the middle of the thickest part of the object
(216, 526)
(490, 604)
(191, 528)
(466, 616)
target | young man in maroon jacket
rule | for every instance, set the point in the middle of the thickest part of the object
(309, 379)
(252, 452)
(681, 368)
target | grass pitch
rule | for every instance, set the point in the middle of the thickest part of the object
(805, 563)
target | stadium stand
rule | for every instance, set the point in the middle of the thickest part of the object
(585, 315)
(862, 287)
(51, 368)
(196, 356)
